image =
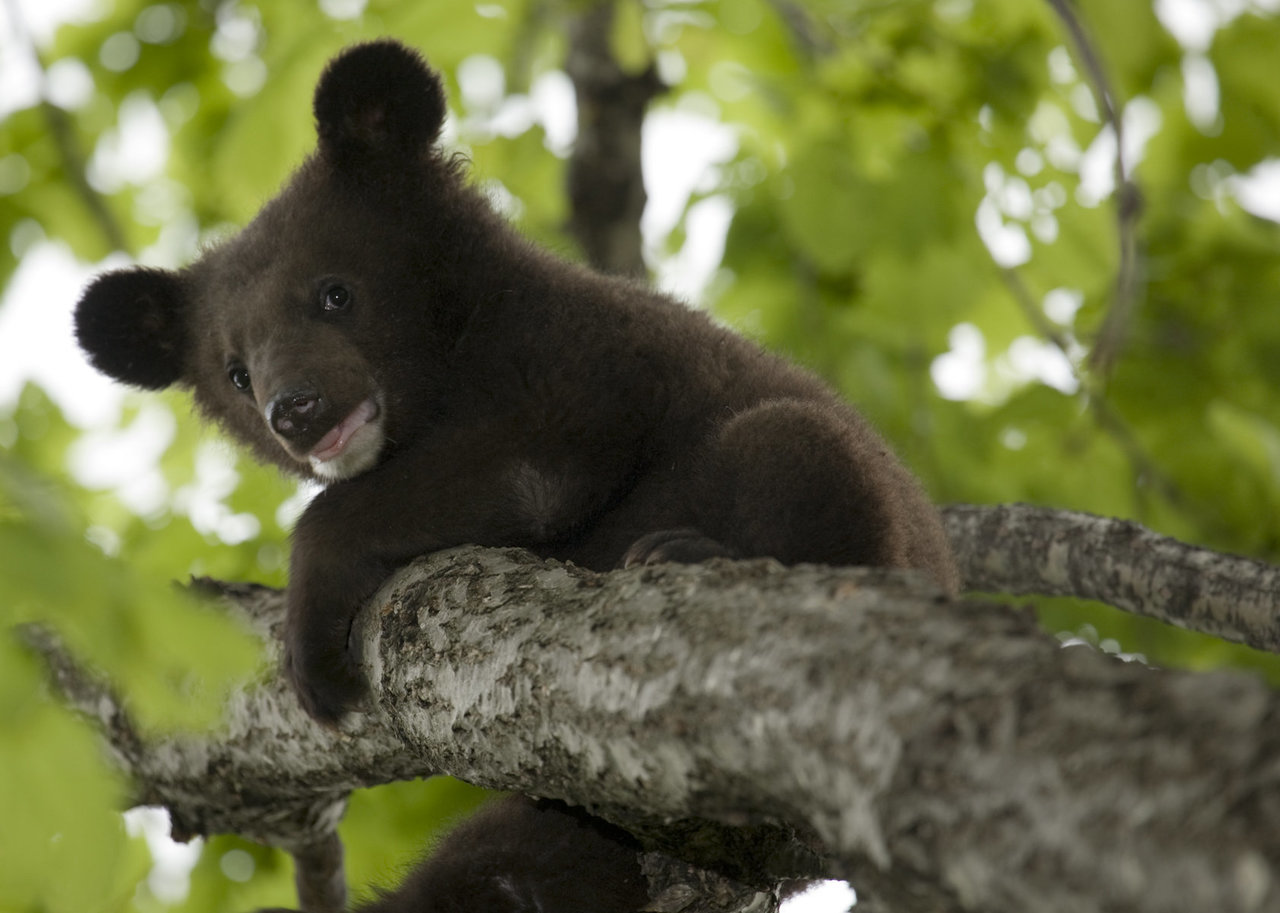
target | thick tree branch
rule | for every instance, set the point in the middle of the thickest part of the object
(1019, 549)
(305, 825)
(946, 755)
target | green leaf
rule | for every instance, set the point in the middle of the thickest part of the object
(58, 801)
(627, 39)
(828, 210)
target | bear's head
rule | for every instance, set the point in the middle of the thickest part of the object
(316, 333)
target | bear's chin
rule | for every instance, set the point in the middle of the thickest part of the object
(356, 444)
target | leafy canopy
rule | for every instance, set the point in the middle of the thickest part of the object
(923, 210)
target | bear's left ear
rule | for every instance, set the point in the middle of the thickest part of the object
(132, 325)
(377, 98)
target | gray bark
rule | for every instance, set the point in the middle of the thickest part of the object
(1018, 549)
(941, 755)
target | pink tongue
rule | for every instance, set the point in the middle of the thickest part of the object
(335, 441)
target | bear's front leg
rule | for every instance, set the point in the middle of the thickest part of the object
(323, 598)
(333, 571)
(460, 486)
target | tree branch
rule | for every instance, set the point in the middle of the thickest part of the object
(1147, 472)
(63, 133)
(947, 755)
(319, 874)
(304, 825)
(606, 183)
(805, 35)
(1019, 549)
(1115, 326)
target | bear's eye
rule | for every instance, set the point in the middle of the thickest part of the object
(335, 298)
(238, 374)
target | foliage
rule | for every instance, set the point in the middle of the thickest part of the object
(870, 140)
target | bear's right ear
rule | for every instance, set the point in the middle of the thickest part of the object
(131, 325)
(376, 99)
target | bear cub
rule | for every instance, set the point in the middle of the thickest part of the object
(379, 328)
(518, 855)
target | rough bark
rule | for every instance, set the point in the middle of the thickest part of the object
(1018, 549)
(943, 755)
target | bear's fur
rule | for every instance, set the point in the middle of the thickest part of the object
(523, 856)
(378, 327)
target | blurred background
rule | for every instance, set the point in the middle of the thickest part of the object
(917, 199)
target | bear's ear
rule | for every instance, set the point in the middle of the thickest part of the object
(377, 98)
(130, 323)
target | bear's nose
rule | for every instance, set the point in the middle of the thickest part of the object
(294, 412)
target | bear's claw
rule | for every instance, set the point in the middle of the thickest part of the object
(681, 546)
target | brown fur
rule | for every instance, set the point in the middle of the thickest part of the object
(521, 400)
(521, 856)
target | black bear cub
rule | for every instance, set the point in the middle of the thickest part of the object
(380, 328)
(522, 856)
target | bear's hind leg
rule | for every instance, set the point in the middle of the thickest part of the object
(810, 481)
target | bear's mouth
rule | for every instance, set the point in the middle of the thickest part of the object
(326, 456)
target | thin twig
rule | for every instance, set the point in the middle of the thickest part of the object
(1115, 326)
(63, 133)
(804, 32)
(1108, 420)
(1036, 317)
